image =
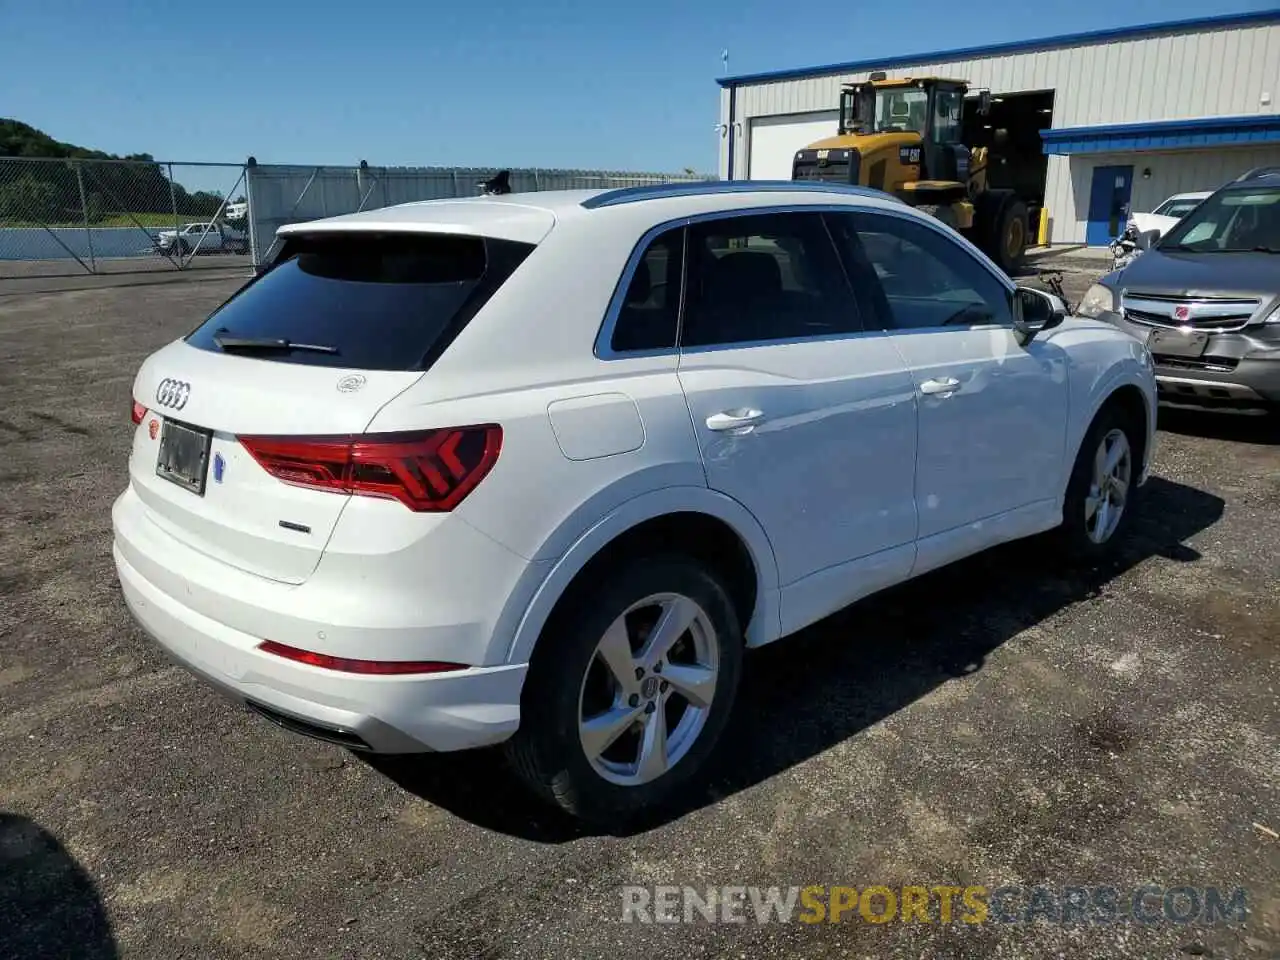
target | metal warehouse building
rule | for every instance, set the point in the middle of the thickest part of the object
(1094, 122)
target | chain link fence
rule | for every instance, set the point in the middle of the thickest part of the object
(292, 194)
(95, 211)
(108, 215)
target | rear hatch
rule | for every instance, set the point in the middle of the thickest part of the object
(234, 454)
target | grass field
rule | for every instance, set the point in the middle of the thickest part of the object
(146, 220)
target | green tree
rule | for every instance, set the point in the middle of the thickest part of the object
(29, 199)
(138, 187)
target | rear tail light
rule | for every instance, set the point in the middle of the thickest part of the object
(426, 471)
(139, 413)
(383, 668)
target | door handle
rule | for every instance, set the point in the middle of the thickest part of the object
(943, 386)
(734, 420)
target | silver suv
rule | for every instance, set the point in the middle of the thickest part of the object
(1206, 299)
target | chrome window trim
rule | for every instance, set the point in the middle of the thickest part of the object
(603, 348)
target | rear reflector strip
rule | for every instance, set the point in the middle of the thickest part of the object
(381, 668)
(139, 413)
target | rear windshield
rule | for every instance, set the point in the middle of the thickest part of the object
(372, 301)
(1177, 208)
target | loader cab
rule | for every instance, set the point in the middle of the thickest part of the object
(884, 106)
(931, 108)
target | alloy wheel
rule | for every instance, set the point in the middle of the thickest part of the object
(1108, 486)
(648, 688)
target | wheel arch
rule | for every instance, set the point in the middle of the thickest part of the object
(691, 519)
(1129, 386)
(1129, 399)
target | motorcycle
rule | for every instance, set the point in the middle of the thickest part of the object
(1125, 248)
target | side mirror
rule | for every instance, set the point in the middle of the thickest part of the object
(1147, 239)
(1035, 311)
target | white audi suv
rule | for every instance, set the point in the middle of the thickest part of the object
(539, 468)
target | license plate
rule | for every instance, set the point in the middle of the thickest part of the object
(184, 455)
(1177, 343)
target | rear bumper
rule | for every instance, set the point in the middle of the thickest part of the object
(455, 711)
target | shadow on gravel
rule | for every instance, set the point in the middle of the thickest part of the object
(1261, 430)
(477, 786)
(802, 696)
(49, 906)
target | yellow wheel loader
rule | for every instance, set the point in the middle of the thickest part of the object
(904, 136)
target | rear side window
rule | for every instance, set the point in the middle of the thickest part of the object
(370, 301)
(1177, 208)
(648, 316)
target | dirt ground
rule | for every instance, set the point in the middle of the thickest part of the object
(1004, 721)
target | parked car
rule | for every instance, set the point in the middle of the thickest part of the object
(203, 237)
(1163, 217)
(537, 468)
(1206, 298)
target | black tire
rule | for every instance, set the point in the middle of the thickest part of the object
(1010, 240)
(1074, 534)
(999, 217)
(547, 752)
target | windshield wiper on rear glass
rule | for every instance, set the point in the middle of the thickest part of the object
(1266, 249)
(228, 342)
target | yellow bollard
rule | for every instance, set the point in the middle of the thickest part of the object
(1043, 236)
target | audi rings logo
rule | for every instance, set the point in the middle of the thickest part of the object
(173, 393)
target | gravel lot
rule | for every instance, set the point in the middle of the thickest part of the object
(1000, 721)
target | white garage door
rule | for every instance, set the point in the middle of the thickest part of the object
(775, 140)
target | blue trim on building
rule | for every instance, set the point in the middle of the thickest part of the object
(1163, 135)
(1013, 46)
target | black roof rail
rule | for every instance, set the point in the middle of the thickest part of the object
(693, 188)
(1257, 173)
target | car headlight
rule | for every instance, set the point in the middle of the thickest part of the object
(1097, 299)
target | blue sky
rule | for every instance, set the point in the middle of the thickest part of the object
(550, 83)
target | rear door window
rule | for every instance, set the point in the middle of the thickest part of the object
(369, 301)
(764, 277)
